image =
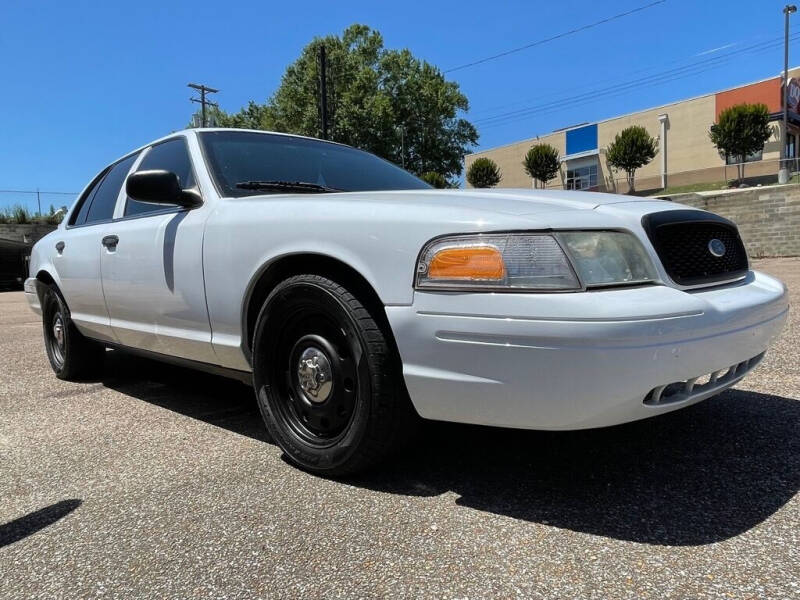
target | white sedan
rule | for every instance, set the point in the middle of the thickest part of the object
(352, 295)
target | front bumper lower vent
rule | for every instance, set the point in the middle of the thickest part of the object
(701, 387)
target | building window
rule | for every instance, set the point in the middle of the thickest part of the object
(733, 160)
(582, 178)
(791, 146)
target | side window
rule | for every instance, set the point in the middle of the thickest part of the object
(102, 207)
(84, 202)
(171, 155)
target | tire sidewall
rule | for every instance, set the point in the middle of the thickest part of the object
(51, 305)
(319, 459)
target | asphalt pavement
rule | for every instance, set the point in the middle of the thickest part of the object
(158, 482)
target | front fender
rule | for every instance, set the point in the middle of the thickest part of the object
(380, 241)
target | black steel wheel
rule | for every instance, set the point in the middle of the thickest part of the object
(71, 355)
(326, 379)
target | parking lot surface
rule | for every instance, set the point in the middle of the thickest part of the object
(154, 481)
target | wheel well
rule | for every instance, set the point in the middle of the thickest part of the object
(314, 264)
(45, 278)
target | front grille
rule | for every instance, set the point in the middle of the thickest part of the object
(683, 240)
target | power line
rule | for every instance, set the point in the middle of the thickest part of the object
(37, 192)
(556, 37)
(713, 61)
(656, 78)
(493, 110)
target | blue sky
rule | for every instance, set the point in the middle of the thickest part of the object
(84, 82)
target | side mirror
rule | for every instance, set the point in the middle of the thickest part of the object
(160, 187)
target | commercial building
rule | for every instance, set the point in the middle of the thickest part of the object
(685, 152)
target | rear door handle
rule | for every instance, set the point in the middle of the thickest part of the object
(110, 241)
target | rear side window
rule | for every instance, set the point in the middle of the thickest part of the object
(172, 155)
(85, 201)
(105, 197)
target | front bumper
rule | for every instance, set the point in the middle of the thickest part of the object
(575, 361)
(32, 294)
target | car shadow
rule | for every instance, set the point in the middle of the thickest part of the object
(220, 401)
(696, 476)
(20, 528)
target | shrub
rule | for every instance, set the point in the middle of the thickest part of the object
(741, 130)
(437, 180)
(483, 173)
(20, 214)
(632, 148)
(542, 163)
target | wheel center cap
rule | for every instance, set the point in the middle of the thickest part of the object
(315, 375)
(58, 331)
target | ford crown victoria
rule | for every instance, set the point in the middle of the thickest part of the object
(354, 297)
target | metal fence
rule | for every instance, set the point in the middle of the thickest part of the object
(32, 203)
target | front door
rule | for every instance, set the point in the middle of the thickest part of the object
(153, 272)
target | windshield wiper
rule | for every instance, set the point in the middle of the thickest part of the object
(300, 186)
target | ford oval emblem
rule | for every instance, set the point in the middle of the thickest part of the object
(717, 248)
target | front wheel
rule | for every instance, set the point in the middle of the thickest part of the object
(327, 381)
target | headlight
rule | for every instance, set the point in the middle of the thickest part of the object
(562, 261)
(608, 257)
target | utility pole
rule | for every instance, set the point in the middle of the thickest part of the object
(323, 91)
(783, 173)
(38, 201)
(203, 89)
(402, 145)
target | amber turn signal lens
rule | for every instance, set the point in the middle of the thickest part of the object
(481, 263)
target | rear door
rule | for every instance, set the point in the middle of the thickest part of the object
(76, 251)
(153, 274)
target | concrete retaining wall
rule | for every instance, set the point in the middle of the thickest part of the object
(29, 232)
(768, 217)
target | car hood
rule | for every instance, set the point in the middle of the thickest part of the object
(524, 201)
(516, 202)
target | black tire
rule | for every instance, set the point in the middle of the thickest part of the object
(355, 421)
(72, 356)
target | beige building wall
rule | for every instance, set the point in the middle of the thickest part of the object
(688, 146)
(690, 155)
(509, 159)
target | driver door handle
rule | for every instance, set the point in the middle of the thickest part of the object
(110, 241)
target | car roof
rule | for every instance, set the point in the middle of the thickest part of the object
(195, 130)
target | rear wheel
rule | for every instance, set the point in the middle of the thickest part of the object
(326, 379)
(72, 356)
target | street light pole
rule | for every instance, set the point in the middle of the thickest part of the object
(783, 173)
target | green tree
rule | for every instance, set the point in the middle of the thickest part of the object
(541, 162)
(741, 130)
(384, 101)
(435, 179)
(483, 173)
(632, 148)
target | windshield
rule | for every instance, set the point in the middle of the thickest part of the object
(239, 160)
